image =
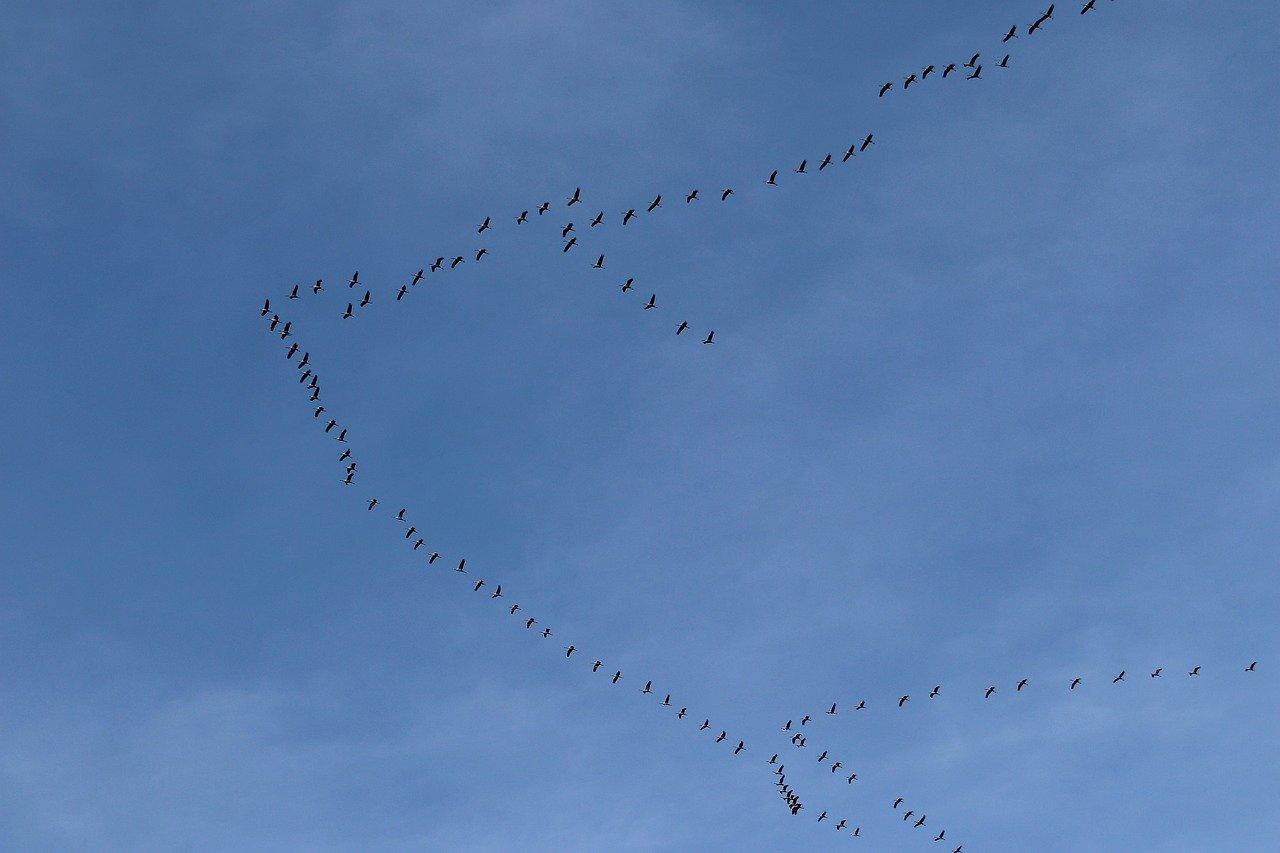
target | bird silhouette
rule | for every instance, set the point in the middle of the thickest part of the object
(826, 161)
(599, 264)
(275, 321)
(933, 694)
(706, 724)
(599, 218)
(654, 204)
(595, 666)
(1075, 683)
(437, 263)
(906, 84)
(1003, 63)
(683, 325)
(861, 706)
(372, 503)
(417, 277)
(691, 197)
(462, 566)
(318, 286)
(479, 584)
(400, 515)
(799, 170)
(626, 285)
(1021, 684)
(480, 254)
(787, 727)
(497, 592)
(897, 802)
(920, 822)
(1118, 678)
(990, 690)
(575, 198)
(832, 709)
(867, 142)
(885, 88)
(648, 687)
(523, 217)
(977, 72)
(804, 721)
(1012, 34)
(853, 777)
(973, 61)
(741, 746)
(1088, 6)
(721, 736)
(628, 216)
(1195, 671)
(266, 308)
(650, 303)
(941, 835)
(822, 817)
(435, 556)
(569, 652)
(564, 232)
(483, 227)
(902, 701)
(822, 757)
(355, 279)
(546, 632)
(455, 262)
(572, 242)
(948, 70)
(1251, 667)
(853, 149)
(710, 336)
(401, 292)
(1155, 673)
(293, 294)
(617, 676)
(928, 69)
(544, 207)
(772, 180)
(727, 192)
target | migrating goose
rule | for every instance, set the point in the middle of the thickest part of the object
(928, 69)
(401, 292)
(853, 149)
(1075, 682)
(990, 690)
(977, 72)
(569, 651)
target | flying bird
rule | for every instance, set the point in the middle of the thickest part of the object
(514, 607)
(599, 218)
(564, 232)
(480, 254)
(1251, 667)
(572, 242)
(903, 700)
(332, 423)
(599, 264)
(544, 207)
(710, 335)
(885, 88)
(948, 70)
(822, 757)
(419, 544)
(372, 503)
(832, 710)
(400, 515)
(284, 333)
(826, 161)
(617, 676)
(799, 170)
(497, 592)
(977, 72)
(867, 142)
(772, 180)
(569, 651)
(727, 192)
(626, 285)
(455, 262)
(293, 294)
(529, 623)
(417, 277)
(1118, 678)
(318, 286)
(920, 822)
(523, 217)
(546, 632)
(437, 263)
(628, 216)
(650, 303)
(1195, 671)
(595, 666)
(906, 84)
(853, 777)
(973, 61)
(1021, 684)
(266, 308)
(575, 198)
(316, 414)
(722, 736)
(1088, 6)
(683, 325)
(741, 746)
(928, 69)
(275, 321)
(897, 802)
(483, 227)
(655, 203)
(804, 721)
(355, 279)
(293, 347)
(364, 300)
(435, 556)
(1012, 34)
(1003, 63)
(861, 706)
(691, 197)
(1155, 673)
(853, 149)
(462, 566)
(479, 584)
(1075, 683)
(990, 690)
(933, 694)
(648, 687)
(941, 835)
(400, 294)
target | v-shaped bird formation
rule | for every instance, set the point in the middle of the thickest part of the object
(413, 534)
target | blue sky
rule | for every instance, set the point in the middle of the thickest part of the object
(997, 399)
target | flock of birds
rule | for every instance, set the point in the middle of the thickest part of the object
(571, 246)
(408, 531)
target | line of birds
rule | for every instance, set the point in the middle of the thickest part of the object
(570, 242)
(972, 68)
(992, 690)
(416, 541)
